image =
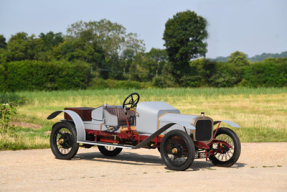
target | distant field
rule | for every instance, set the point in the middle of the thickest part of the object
(261, 112)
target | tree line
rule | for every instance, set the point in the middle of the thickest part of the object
(95, 52)
(259, 58)
(104, 45)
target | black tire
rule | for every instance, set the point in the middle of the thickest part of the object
(177, 150)
(109, 151)
(230, 156)
(63, 140)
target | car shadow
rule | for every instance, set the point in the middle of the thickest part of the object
(122, 158)
(145, 160)
(199, 164)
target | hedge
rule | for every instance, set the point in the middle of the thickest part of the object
(39, 75)
(2, 78)
(269, 73)
(64, 75)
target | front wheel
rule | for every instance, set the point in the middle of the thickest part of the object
(109, 151)
(177, 150)
(226, 157)
(63, 140)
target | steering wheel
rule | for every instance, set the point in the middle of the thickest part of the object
(132, 100)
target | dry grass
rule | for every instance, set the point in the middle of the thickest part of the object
(15, 141)
(261, 113)
(252, 111)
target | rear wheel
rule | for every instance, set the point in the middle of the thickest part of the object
(109, 151)
(226, 157)
(63, 140)
(177, 150)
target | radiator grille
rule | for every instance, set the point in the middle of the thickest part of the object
(203, 130)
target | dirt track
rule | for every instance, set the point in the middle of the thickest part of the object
(142, 170)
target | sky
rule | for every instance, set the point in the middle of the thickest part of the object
(250, 26)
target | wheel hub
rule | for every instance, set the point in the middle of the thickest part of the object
(225, 148)
(65, 141)
(177, 150)
(174, 150)
(61, 141)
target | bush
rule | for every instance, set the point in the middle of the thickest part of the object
(201, 72)
(269, 73)
(129, 84)
(159, 81)
(99, 83)
(164, 81)
(2, 78)
(225, 75)
(64, 75)
(11, 97)
(6, 112)
(39, 75)
(75, 75)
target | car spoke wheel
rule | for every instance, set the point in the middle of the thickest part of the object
(224, 156)
(109, 151)
(63, 140)
(177, 150)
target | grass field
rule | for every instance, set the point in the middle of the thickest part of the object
(261, 112)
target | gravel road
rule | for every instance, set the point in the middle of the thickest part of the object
(261, 167)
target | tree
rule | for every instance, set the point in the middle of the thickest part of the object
(107, 34)
(17, 48)
(184, 37)
(3, 56)
(36, 47)
(3, 43)
(138, 69)
(3, 52)
(107, 39)
(238, 58)
(22, 47)
(51, 39)
(159, 58)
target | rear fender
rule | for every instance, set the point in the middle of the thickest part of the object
(228, 122)
(81, 133)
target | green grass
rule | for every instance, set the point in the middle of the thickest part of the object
(264, 166)
(25, 138)
(146, 94)
(260, 112)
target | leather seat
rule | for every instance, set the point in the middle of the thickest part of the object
(119, 112)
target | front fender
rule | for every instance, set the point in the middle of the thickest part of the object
(228, 122)
(81, 133)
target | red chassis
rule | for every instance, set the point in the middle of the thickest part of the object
(131, 137)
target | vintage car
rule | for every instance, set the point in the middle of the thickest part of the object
(153, 125)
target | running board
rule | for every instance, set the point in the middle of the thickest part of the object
(106, 144)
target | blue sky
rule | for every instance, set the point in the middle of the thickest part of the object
(250, 26)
